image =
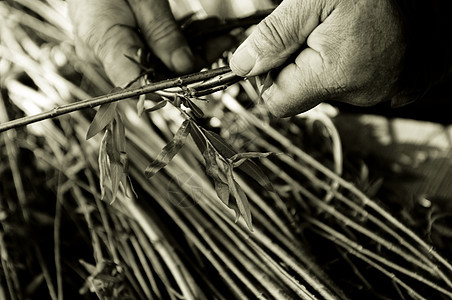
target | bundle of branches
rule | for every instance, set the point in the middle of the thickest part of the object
(191, 191)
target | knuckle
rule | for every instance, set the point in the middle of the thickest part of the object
(104, 48)
(271, 35)
(91, 40)
(340, 72)
(158, 29)
(84, 52)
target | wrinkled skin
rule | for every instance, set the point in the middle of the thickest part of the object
(107, 30)
(344, 50)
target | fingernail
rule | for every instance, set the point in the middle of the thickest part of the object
(242, 62)
(182, 60)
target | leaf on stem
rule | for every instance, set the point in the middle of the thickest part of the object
(222, 190)
(159, 105)
(241, 200)
(103, 117)
(194, 108)
(216, 168)
(117, 155)
(119, 134)
(169, 151)
(104, 173)
(240, 158)
(248, 167)
(113, 160)
(220, 170)
(119, 139)
(198, 137)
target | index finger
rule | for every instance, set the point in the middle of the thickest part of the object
(297, 87)
(162, 34)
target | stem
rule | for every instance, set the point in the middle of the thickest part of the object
(354, 247)
(156, 237)
(56, 238)
(104, 218)
(9, 272)
(45, 273)
(123, 94)
(234, 106)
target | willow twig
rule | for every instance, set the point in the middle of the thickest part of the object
(366, 201)
(353, 247)
(120, 95)
(161, 245)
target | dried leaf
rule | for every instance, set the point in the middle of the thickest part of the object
(103, 117)
(221, 187)
(119, 134)
(220, 144)
(103, 163)
(241, 199)
(124, 160)
(159, 105)
(248, 167)
(221, 172)
(222, 190)
(215, 152)
(195, 109)
(248, 155)
(117, 155)
(218, 174)
(169, 151)
(125, 180)
(240, 158)
(116, 170)
(215, 166)
(197, 136)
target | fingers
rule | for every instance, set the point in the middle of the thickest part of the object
(116, 46)
(298, 86)
(162, 34)
(107, 29)
(353, 53)
(277, 37)
(318, 73)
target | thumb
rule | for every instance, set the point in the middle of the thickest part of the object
(162, 34)
(277, 37)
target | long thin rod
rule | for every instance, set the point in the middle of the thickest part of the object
(116, 96)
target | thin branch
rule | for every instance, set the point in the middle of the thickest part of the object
(120, 95)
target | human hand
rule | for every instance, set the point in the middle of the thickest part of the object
(107, 30)
(344, 50)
